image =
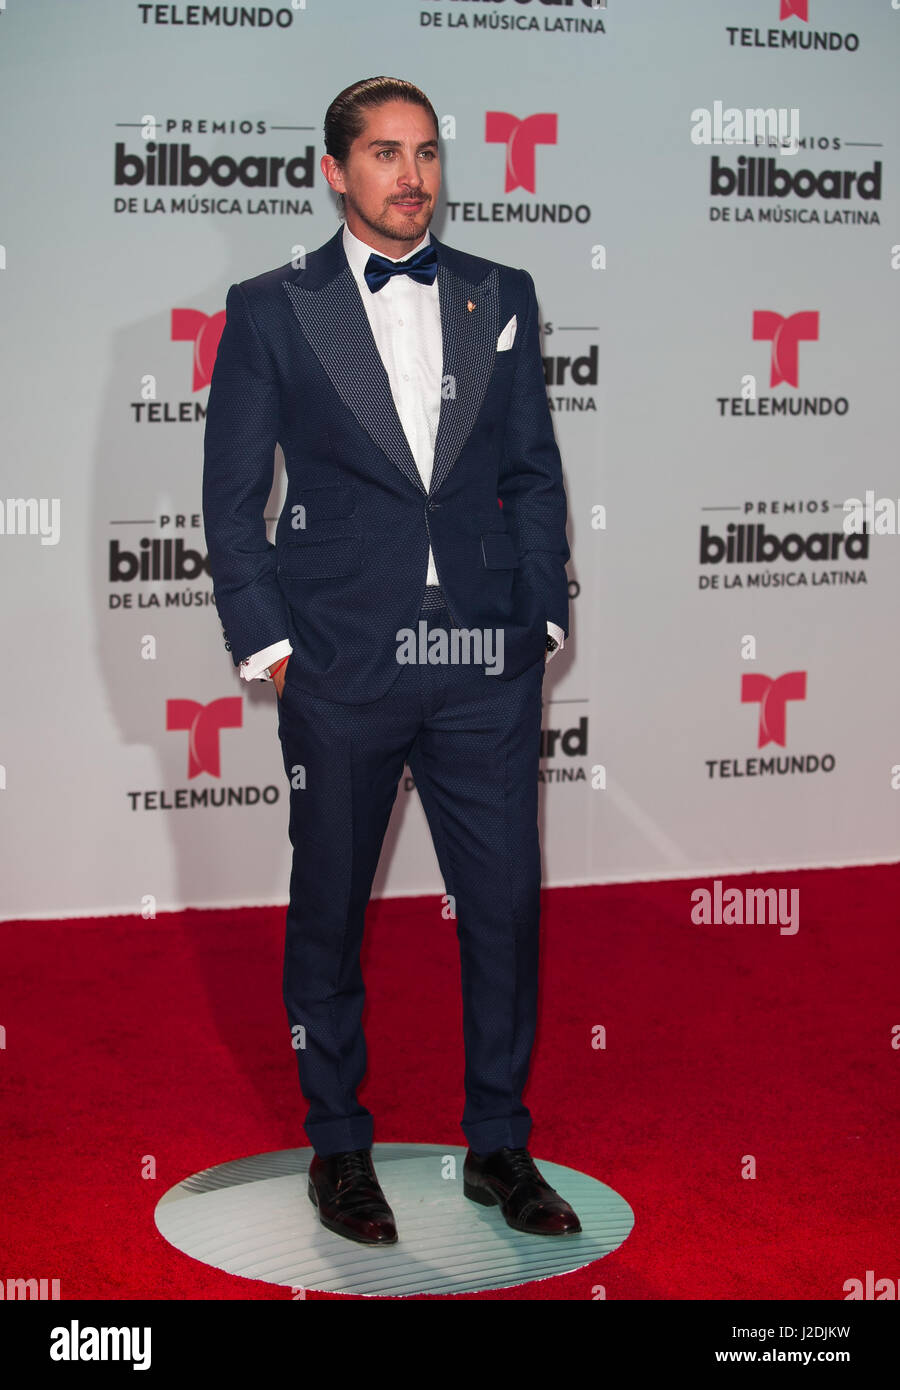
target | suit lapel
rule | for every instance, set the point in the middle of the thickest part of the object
(470, 342)
(336, 326)
(327, 304)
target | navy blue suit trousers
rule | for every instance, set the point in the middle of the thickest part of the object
(472, 743)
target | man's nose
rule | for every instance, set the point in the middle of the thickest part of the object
(410, 175)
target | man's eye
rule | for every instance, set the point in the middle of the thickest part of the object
(423, 154)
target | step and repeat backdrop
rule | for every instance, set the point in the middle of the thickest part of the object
(706, 195)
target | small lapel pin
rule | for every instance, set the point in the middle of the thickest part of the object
(469, 305)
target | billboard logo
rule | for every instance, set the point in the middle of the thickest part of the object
(520, 138)
(203, 724)
(785, 334)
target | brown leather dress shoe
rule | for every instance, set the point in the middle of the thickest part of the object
(509, 1178)
(348, 1195)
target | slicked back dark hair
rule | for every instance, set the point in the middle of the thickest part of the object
(345, 118)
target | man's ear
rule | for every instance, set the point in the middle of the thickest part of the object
(332, 172)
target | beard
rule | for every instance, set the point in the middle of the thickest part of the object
(394, 223)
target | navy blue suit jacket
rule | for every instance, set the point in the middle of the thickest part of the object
(297, 365)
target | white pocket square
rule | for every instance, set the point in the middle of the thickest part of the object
(505, 341)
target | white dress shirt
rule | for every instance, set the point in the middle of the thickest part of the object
(405, 318)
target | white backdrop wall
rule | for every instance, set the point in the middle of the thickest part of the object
(659, 278)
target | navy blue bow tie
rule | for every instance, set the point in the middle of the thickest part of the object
(421, 267)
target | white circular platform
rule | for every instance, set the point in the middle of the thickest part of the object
(253, 1217)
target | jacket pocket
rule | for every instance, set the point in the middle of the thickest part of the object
(309, 505)
(321, 559)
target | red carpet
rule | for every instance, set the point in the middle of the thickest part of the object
(165, 1042)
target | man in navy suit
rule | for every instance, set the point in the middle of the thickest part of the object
(404, 614)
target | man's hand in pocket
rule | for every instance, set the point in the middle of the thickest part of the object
(278, 680)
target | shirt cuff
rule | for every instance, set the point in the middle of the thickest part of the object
(254, 668)
(557, 632)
